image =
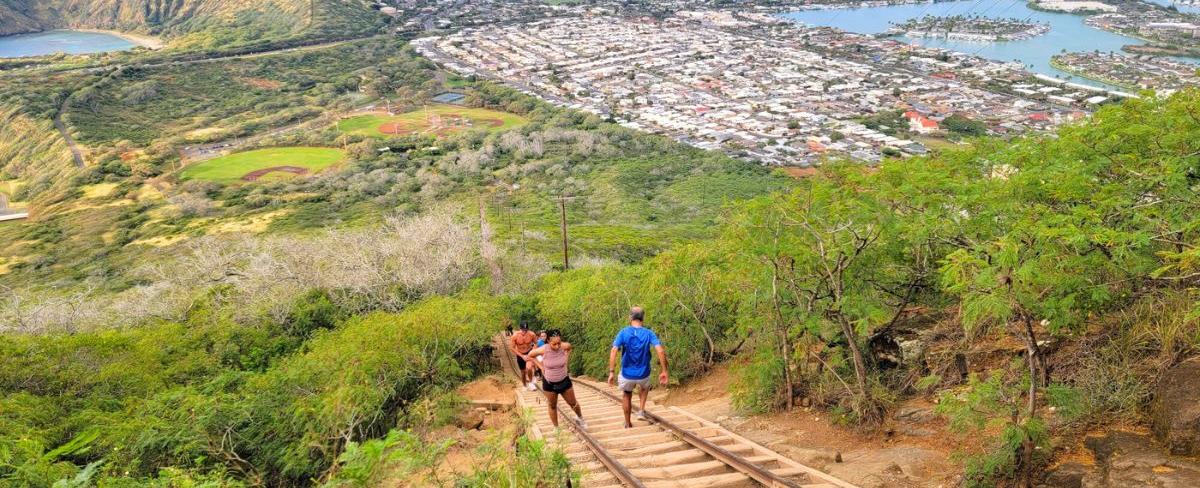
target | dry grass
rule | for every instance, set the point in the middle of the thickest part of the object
(261, 83)
(254, 224)
(99, 190)
(159, 241)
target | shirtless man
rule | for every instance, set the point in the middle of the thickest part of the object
(521, 343)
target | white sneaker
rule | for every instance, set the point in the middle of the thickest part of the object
(641, 415)
(582, 424)
(531, 386)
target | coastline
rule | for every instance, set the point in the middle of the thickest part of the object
(149, 42)
(1160, 50)
(1090, 76)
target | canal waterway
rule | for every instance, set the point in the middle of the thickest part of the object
(1067, 31)
(61, 41)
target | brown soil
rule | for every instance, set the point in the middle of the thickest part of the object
(255, 175)
(439, 125)
(262, 83)
(706, 396)
(900, 454)
(800, 173)
(490, 389)
(395, 128)
(493, 398)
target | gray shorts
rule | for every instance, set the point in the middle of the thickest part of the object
(626, 384)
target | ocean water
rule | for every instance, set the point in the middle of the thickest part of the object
(64, 41)
(1067, 31)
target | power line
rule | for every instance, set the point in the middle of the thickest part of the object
(562, 222)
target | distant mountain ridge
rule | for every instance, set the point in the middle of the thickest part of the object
(221, 21)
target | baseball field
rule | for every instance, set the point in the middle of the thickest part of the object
(264, 164)
(435, 120)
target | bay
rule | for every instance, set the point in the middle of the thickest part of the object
(1067, 31)
(64, 41)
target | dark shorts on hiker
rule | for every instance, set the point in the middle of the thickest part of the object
(559, 387)
(520, 363)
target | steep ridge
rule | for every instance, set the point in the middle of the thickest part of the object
(37, 154)
(13, 21)
(227, 21)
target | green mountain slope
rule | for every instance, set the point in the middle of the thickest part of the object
(203, 22)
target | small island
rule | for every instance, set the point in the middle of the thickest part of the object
(1072, 6)
(974, 28)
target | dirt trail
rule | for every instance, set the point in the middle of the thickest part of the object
(76, 151)
(488, 250)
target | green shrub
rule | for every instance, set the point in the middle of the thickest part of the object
(690, 300)
(996, 404)
(527, 462)
(399, 455)
(216, 397)
(759, 385)
(311, 312)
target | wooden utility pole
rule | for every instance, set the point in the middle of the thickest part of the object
(562, 207)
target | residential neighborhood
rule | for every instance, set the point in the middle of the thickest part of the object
(752, 84)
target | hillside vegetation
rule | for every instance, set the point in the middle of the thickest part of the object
(1080, 240)
(42, 160)
(1050, 251)
(230, 336)
(195, 23)
(165, 329)
(215, 101)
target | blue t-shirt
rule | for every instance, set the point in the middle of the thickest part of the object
(635, 343)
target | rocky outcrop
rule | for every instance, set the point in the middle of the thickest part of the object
(1123, 459)
(223, 21)
(155, 16)
(13, 21)
(1175, 412)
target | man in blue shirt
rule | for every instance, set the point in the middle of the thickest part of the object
(633, 342)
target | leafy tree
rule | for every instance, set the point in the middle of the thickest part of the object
(960, 124)
(815, 250)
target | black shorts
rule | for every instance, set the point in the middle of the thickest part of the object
(520, 363)
(559, 387)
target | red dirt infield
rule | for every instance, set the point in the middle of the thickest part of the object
(394, 128)
(438, 125)
(255, 175)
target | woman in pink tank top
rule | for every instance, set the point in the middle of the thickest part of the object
(555, 380)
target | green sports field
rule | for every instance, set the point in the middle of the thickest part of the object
(436, 120)
(264, 164)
